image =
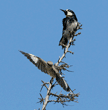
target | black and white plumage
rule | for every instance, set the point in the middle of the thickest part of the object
(70, 25)
(49, 68)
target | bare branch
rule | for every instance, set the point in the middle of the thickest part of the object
(63, 67)
(67, 46)
(70, 52)
(77, 34)
(41, 99)
(61, 98)
(44, 84)
(47, 96)
(79, 27)
(54, 84)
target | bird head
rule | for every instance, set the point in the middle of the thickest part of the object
(68, 12)
(50, 63)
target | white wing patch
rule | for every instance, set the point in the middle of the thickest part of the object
(34, 58)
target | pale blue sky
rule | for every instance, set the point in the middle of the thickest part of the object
(35, 26)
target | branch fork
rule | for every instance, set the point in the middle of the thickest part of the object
(61, 98)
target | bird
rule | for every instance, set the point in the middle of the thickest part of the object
(70, 26)
(48, 68)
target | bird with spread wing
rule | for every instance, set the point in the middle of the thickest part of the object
(49, 68)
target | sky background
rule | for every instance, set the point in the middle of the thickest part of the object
(35, 26)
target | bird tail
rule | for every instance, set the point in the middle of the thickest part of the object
(63, 42)
(62, 83)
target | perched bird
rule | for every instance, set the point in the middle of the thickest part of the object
(70, 25)
(49, 68)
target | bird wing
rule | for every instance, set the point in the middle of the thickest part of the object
(42, 65)
(62, 83)
(61, 80)
(38, 62)
(64, 23)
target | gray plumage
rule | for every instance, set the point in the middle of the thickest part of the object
(49, 68)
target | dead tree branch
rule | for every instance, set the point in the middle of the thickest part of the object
(47, 96)
(61, 98)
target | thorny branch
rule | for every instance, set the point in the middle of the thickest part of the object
(61, 97)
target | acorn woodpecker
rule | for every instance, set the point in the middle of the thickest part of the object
(70, 25)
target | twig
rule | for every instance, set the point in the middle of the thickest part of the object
(47, 96)
(41, 99)
(66, 50)
(44, 84)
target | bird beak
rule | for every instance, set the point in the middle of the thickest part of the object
(63, 10)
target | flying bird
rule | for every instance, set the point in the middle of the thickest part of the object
(70, 25)
(48, 68)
